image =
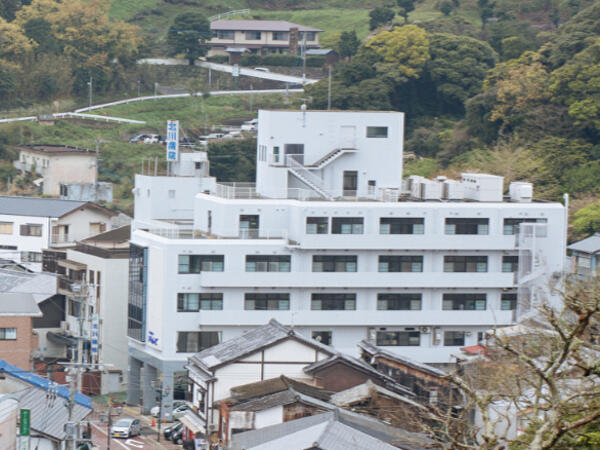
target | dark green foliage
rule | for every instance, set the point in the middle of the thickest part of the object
(251, 60)
(446, 7)
(503, 29)
(8, 8)
(221, 59)
(452, 25)
(348, 44)
(7, 86)
(233, 160)
(40, 31)
(406, 6)
(184, 36)
(457, 67)
(380, 16)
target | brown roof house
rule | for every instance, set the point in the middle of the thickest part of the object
(17, 339)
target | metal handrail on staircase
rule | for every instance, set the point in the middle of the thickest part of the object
(303, 173)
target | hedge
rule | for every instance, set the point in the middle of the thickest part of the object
(282, 61)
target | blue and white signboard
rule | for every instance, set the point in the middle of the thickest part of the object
(95, 322)
(172, 140)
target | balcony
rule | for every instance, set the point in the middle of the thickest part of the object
(69, 287)
(248, 233)
(356, 280)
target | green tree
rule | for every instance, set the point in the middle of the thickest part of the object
(348, 44)
(7, 85)
(586, 220)
(446, 7)
(186, 34)
(403, 52)
(406, 6)
(486, 10)
(577, 85)
(457, 66)
(380, 16)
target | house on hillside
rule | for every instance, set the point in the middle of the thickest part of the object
(585, 256)
(68, 172)
(263, 37)
(30, 224)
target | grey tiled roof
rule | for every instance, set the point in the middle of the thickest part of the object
(286, 397)
(18, 304)
(37, 207)
(273, 385)
(377, 351)
(250, 342)
(48, 416)
(258, 25)
(336, 430)
(588, 245)
(41, 285)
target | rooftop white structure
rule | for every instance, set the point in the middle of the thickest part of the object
(333, 242)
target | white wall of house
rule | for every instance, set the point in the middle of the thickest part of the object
(82, 223)
(61, 168)
(111, 307)
(23, 243)
(268, 417)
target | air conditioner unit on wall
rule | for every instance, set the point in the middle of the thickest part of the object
(425, 330)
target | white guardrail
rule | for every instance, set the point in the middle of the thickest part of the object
(78, 112)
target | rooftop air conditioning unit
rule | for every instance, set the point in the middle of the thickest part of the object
(520, 192)
(453, 190)
(430, 190)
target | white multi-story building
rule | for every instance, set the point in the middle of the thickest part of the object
(332, 242)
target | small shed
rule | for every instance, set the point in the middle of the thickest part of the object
(330, 55)
(235, 54)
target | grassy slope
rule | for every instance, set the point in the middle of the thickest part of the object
(120, 157)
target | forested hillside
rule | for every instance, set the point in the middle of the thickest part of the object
(506, 98)
(506, 86)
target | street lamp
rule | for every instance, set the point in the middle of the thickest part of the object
(89, 83)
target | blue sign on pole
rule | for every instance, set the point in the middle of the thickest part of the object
(172, 140)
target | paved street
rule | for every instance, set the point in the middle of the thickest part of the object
(147, 440)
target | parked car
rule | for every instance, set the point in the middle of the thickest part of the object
(168, 432)
(126, 427)
(215, 136)
(180, 411)
(186, 142)
(138, 138)
(152, 139)
(262, 69)
(156, 409)
(177, 436)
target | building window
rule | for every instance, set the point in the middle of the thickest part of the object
(465, 263)
(330, 302)
(187, 302)
(454, 338)
(34, 257)
(347, 225)
(8, 247)
(249, 224)
(324, 337)
(275, 154)
(467, 302)
(399, 338)
(399, 302)
(266, 302)
(377, 132)
(74, 308)
(400, 263)
(201, 263)
(317, 225)
(8, 334)
(196, 341)
(511, 226)
(510, 264)
(136, 305)
(310, 35)
(466, 226)
(6, 227)
(268, 263)
(226, 34)
(508, 301)
(334, 263)
(281, 35)
(401, 225)
(253, 35)
(31, 229)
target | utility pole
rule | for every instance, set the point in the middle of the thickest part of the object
(71, 429)
(155, 88)
(251, 96)
(303, 57)
(139, 82)
(162, 392)
(90, 91)
(329, 90)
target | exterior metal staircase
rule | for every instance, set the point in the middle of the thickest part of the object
(307, 177)
(329, 157)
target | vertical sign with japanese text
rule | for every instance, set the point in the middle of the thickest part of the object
(172, 140)
(25, 422)
(95, 323)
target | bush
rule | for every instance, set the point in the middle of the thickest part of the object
(251, 60)
(315, 61)
(282, 60)
(221, 59)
